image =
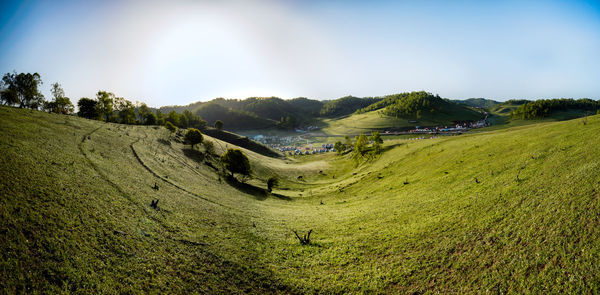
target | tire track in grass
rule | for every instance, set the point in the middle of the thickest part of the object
(174, 184)
(129, 198)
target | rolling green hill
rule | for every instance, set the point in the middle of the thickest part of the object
(480, 102)
(508, 211)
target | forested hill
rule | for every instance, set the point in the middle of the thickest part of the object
(346, 105)
(483, 103)
(419, 104)
(547, 107)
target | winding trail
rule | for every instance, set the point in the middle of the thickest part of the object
(129, 198)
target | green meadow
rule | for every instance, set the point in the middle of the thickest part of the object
(514, 210)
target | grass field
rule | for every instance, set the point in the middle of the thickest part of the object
(507, 211)
(374, 120)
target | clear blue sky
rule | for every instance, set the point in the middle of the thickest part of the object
(177, 52)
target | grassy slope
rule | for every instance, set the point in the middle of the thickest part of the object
(75, 214)
(374, 120)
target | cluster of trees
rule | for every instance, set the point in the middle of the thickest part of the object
(362, 147)
(408, 104)
(106, 106)
(22, 90)
(346, 105)
(544, 107)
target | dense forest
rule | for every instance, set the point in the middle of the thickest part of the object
(346, 105)
(545, 107)
(232, 119)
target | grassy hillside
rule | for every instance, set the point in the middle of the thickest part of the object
(513, 210)
(479, 102)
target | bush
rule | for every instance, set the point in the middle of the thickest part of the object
(193, 136)
(209, 147)
(219, 124)
(170, 126)
(272, 182)
(235, 161)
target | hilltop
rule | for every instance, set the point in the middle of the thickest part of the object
(512, 210)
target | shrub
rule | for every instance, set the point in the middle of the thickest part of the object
(272, 182)
(193, 136)
(209, 147)
(235, 161)
(219, 124)
(170, 126)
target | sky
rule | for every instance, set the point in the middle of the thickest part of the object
(178, 52)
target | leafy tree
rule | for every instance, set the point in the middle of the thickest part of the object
(88, 108)
(150, 119)
(105, 104)
(160, 118)
(272, 182)
(377, 141)
(143, 112)
(126, 110)
(170, 127)
(22, 89)
(339, 147)
(360, 147)
(235, 161)
(193, 136)
(219, 124)
(60, 104)
(347, 142)
(174, 118)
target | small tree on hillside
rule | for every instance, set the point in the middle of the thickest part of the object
(272, 182)
(235, 161)
(377, 141)
(339, 147)
(360, 147)
(193, 136)
(170, 126)
(219, 124)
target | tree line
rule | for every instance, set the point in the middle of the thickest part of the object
(22, 90)
(544, 107)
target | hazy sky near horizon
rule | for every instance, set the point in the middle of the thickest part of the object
(178, 52)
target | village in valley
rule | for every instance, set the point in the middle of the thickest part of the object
(308, 140)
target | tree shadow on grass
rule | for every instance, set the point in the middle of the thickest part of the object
(258, 192)
(195, 155)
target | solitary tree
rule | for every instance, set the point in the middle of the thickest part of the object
(219, 124)
(193, 136)
(88, 108)
(272, 182)
(236, 162)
